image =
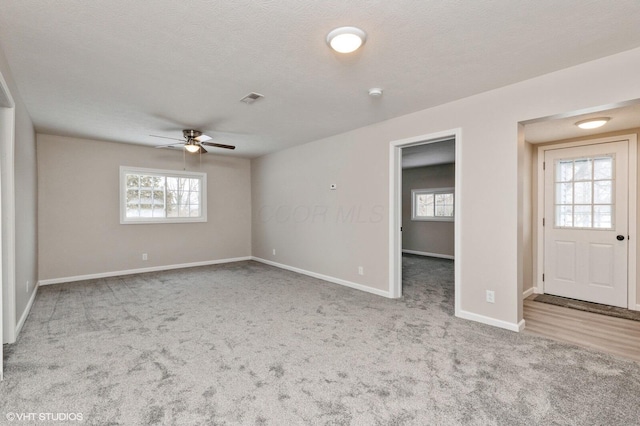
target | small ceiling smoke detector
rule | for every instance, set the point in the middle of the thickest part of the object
(592, 123)
(375, 92)
(251, 98)
(346, 39)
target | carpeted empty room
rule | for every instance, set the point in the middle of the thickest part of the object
(247, 343)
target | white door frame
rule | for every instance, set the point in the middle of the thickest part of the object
(7, 220)
(395, 208)
(632, 214)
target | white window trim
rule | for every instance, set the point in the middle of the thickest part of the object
(124, 220)
(431, 191)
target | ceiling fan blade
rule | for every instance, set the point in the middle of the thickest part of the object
(171, 145)
(202, 150)
(164, 137)
(203, 138)
(219, 145)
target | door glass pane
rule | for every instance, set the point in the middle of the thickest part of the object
(564, 172)
(564, 216)
(564, 193)
(603, 168)
(582, 169)
(602, 217)
(582, 216)
(582, 192)
(603, 192)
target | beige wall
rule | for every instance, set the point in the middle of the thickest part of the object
(528, 237)
(21, 159)
(492, 152)
(534, 165)
(79, 223)
(425, 236)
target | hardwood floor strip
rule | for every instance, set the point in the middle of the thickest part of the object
(592, 329)
(602, 341)
(616, 336)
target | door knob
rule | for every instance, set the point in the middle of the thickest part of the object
(620, 237)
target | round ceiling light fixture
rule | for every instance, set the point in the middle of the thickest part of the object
(346, 39)
(592, 123)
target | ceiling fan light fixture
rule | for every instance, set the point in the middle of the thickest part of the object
(191, 147)
(346, 39)
(593, 123)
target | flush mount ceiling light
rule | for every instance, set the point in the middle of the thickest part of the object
(592, 123)
(346, 39)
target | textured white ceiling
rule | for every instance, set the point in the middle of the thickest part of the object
(621, 118)
(120, 70)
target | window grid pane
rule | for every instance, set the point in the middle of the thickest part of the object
(584, 193)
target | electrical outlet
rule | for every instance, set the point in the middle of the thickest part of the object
(274, 252)
(360, 270)
(491, 296)
(333, 186)
(144, 256)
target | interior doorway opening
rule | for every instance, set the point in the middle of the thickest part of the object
(431, 204)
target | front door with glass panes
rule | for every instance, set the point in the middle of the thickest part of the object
(585, 223)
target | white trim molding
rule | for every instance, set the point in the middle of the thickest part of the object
(325, 277)
(140, 270)
(427, 254)
(528, 292)
(518, 327)
(27, 310)
(7, 218)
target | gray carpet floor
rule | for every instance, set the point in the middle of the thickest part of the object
(250, 344)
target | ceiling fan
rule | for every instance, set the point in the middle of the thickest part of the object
(193, 142)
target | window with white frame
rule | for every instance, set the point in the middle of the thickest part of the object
(162, 196)
(432, 204)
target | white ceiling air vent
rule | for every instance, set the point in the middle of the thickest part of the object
(251, 98)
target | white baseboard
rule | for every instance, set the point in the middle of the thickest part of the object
(424, 253)
(140, 270)
(527, 293)
(27, 309)
(334, 280)
(518, 327)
